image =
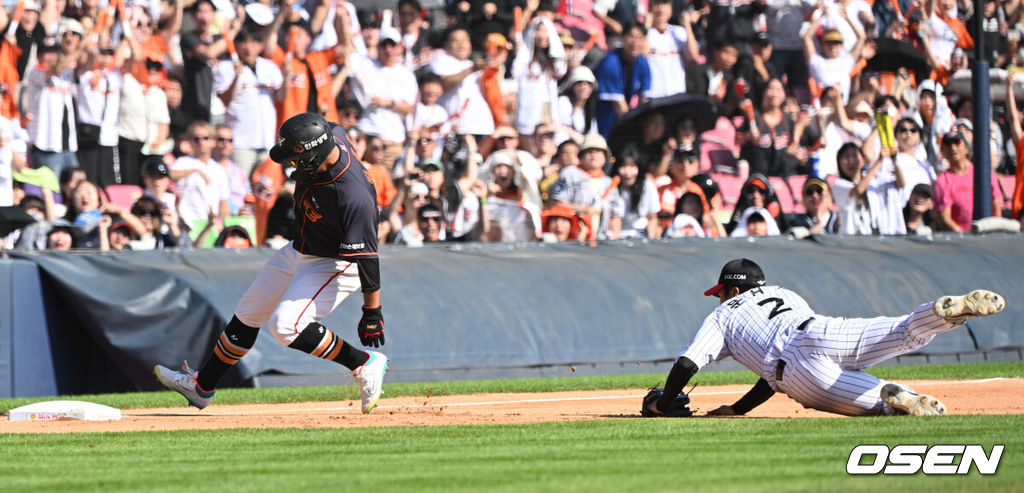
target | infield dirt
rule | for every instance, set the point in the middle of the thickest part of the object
(988, 396)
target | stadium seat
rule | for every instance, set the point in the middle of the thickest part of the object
(1008, 183)
(123, 195)
(729, 186)
(796, 184)
(783, 193)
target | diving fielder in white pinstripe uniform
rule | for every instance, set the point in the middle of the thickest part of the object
(817, 360)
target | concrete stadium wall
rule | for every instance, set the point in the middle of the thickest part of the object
(97, 322)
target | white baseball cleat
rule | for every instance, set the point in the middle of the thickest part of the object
(909, 402)
(370, 378)
(184, 384)
(977, 303)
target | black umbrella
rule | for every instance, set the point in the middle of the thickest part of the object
(702, 109)
(893, 54)
(13, 219)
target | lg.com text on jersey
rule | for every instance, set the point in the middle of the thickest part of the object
(936, 460)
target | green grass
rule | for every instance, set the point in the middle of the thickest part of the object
(346, 392)
(609, 455)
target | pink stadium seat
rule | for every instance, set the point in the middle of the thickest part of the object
(796, 183)
(1008, 183)
(718, 148)
(729, 186)
(123, 195)
(783, 193)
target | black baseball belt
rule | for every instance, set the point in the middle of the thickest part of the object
(782, 364)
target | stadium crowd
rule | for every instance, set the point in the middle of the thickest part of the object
(146, 123)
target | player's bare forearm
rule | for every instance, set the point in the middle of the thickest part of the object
(371, 299)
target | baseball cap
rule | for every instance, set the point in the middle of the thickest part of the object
(49, 43)
(389, 34)
(594, 141)
(953, 136)
(832, 36)
(121, 225)
(428, 211)
(72, 25)
(863, 107)
(761, 38)
(685, 154)
(965, 122)
(419, 188)
(431, 162)
(156, 168)
(741, 273)
(32, 5)
(815, 182)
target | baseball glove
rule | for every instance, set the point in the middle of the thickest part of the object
(678, 408)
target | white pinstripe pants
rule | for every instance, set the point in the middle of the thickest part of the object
(294, 289)
(825, 363)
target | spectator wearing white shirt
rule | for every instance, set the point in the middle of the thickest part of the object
(539, 63)
(669, 47)
(200, 179)
(248, 88)
(429, 119)
(387, 89)
(577, 106)
(460, 76)
(833, 64)
(50, 110)
(99, 97)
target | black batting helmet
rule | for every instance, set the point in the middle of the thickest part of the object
(303, 141)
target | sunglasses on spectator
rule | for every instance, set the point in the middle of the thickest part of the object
(504, 138)
(376, 148)
(547, 135)
(814, 191)
(147, 213)
(224, 139)
(912, 130)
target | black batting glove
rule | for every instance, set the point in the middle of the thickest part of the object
(371, 327)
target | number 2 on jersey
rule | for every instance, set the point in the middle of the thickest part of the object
(777, 309)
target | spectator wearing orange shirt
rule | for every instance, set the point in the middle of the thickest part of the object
(307, 74)
(379, 175)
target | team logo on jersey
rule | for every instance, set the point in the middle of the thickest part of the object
(352, 246)
(310, 211)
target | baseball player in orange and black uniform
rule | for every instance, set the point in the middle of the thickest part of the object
(335, 253)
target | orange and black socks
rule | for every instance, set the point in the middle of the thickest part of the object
(236, 340)
(319, 341)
